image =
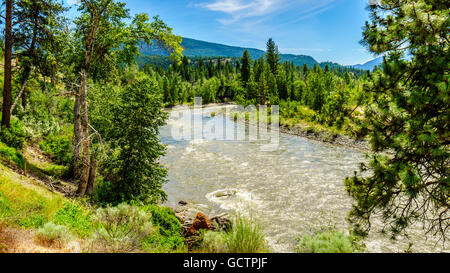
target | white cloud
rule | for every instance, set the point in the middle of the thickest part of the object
(73, 2)
(236, 10)
(240, 9)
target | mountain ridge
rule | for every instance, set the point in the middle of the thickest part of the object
(198, 48)
(370, 65)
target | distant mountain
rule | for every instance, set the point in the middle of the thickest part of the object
(196, 48)
(370, 64)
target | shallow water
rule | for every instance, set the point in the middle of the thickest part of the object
(291, 191)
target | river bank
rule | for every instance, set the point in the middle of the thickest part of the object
(301, 129)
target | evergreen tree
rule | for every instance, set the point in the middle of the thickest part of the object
(272, 56)
(409, 119)
(245, 68)
(305, 70)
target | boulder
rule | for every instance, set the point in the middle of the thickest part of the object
(200, 222)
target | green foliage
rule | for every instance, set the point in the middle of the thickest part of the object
(51, 169)
(246, 236)
(408, 118)
(329, 241)
(76, 218)
(121, 228)
(272, 56)
(245, 68)
(14, 136)
(51, 234)
(165, 219)
(135, 172)
(59, 148)
(169, 229)
(11, 155)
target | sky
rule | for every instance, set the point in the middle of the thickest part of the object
(328, 30)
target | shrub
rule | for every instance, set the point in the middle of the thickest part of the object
(165, 219)
(15, 136)
(168, 236)
(215, 242)
(76, 218)
(12, 155)
(246, 236)
(36, 127)
(121, 228)
(329, 241)
(59, 148)
(51, 234)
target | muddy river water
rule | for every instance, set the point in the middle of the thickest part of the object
(290, 191)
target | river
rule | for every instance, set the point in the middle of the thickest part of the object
(290, 191)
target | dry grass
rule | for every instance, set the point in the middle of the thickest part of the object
(16, 240)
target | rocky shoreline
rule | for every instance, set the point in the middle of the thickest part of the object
(193, 220)
(323, 136)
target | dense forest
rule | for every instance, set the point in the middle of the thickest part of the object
(80, 92)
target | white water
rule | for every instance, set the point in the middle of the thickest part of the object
(291, 192)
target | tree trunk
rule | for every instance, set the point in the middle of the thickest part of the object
(92, 175)
(24, 99)
(22, 93)
(84, 135)
(76, 139)
(7, 88)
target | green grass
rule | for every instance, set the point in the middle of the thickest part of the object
(76, 218)
(246, 236)
(27, 205)
(30, 206)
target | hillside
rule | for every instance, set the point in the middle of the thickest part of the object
(196, 48)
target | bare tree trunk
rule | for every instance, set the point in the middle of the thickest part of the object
(76, 139)
(22, 92)
(84, 135)
(24, 98)
(92, 175)
(7, 88)
(21, 95)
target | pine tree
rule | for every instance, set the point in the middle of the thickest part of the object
(245, 68)
(272, 56)
(409, 119)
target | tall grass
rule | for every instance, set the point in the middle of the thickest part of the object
(246, 236)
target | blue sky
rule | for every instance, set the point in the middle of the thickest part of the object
(328, 30)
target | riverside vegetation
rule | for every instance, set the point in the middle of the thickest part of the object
(80, 152)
